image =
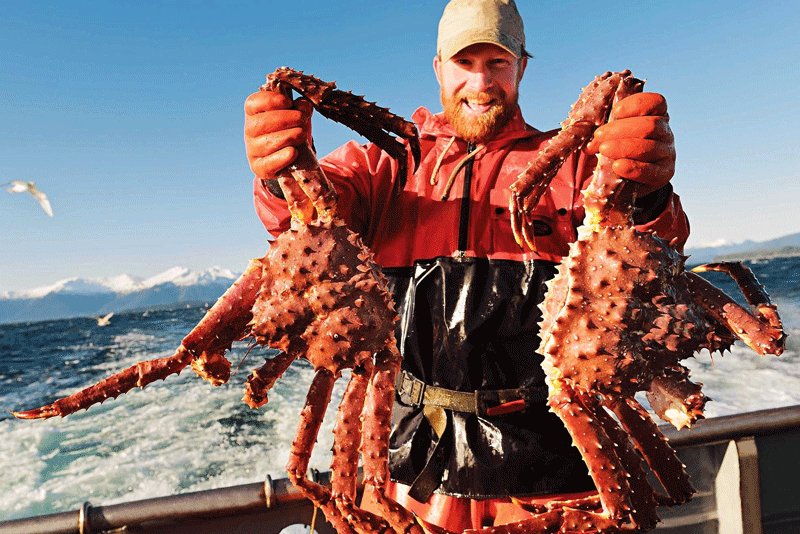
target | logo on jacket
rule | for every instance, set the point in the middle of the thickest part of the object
(541, 228)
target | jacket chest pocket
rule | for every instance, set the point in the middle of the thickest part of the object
(552, 227)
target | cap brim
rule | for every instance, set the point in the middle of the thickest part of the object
(464, 40)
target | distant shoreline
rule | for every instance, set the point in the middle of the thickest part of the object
(765, 254)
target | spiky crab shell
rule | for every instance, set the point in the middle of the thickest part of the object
(323, 296)
(610, 323)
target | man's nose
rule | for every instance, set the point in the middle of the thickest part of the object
(479, 80)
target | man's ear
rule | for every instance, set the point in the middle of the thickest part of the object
(437, 65)
(523, 62)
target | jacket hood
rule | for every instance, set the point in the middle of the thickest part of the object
(436, 125)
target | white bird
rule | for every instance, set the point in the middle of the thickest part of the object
(19, 186)
(103, 321)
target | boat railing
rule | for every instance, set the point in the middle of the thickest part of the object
(745, 468)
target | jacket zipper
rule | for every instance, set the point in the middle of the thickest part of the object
(463, 222)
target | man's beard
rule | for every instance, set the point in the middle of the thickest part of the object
(480, 128)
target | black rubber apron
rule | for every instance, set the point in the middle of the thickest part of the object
(471, 324)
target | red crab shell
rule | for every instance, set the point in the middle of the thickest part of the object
(322, 297)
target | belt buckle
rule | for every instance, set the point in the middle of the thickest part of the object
(411, 387)
(417, 391)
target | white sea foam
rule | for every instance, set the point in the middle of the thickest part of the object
(178, 436)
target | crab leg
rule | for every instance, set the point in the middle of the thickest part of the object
(761, 332)
(367, 118)
(608, 198)
(375, 441)
(306, 187)
(536, 178)
(548, 522)
(675, 398)
(204, 348)
(347, 433)
(346, 441)
(590, 111)
(319, 395)
(753, 292)
(300, 207)
(595, 446)
(644, 503)
(303, 183)
(588, 522)
(562, 517)
(315, 184)
(262, 379)
(590, 502)
(374, 122)
(652, 444)
(139, 375)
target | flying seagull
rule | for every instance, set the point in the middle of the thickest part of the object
(18, 186)
(103, 321)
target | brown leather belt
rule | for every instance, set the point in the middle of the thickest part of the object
(489, 402)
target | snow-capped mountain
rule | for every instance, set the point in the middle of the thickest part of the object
(73, 297)
(181, 276)
(77, 286)
(784, 245)
(124, 283)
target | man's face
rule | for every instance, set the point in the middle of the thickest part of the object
(479, 89)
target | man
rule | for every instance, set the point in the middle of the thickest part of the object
(467, 294)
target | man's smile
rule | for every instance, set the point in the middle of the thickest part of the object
(478, 106)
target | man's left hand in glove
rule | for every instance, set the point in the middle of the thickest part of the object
(639, 140)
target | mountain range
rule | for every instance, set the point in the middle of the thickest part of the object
(73, 297)
(788, 245)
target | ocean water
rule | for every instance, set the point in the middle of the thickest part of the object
(183, 435)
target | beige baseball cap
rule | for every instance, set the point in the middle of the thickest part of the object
(468, 22)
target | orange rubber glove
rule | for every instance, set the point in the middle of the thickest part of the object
(273, 126)
(639, 140)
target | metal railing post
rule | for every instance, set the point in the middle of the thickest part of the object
(738, 489)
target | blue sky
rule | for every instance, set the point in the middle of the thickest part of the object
(129, 114)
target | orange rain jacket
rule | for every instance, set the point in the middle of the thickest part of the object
(468, 294)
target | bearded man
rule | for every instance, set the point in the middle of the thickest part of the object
(467, 294)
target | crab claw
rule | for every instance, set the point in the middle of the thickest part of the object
(44, 412)
(374, 122)
(590, 111)
(761, 328)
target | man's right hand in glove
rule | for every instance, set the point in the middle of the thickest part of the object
(274, 126)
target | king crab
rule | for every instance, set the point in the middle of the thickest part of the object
(618, 317)
(317, 294)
